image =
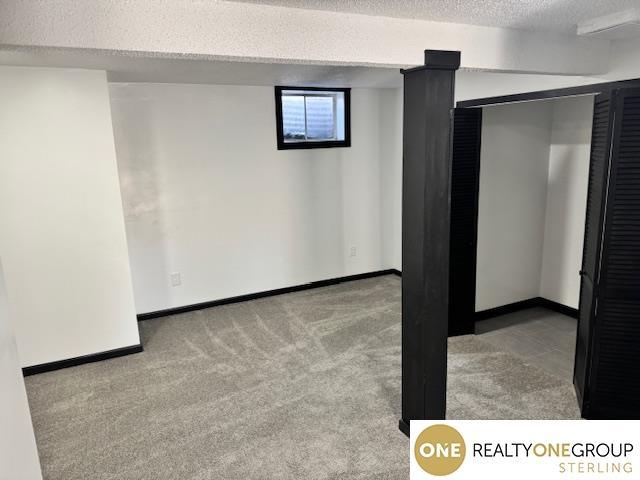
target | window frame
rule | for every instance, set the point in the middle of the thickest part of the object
(306, 144)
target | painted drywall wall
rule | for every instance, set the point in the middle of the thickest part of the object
(566, 199)
(207, 194)
(288, 35)
(18, 452)
(63, 239)
(472, 85)
(391, 176)
(624, 64)
(512, 201)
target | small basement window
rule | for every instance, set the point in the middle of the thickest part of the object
(311, 117)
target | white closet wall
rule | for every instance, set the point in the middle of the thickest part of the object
(533, 186)
(511, 210)
(566, 199)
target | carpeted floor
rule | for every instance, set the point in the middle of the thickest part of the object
(303, 385)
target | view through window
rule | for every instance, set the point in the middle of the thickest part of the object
(313, 117)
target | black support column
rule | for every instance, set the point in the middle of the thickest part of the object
(426, 196)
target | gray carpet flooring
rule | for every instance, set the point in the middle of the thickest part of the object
(303, 385)
(542, 337)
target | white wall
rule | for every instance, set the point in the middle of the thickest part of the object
(391, 176)
(533, 188)
(18, 452)
(624, 64)
(513, 192)
(471, 85)
(63, 240)
(566, 199)
(207, 194)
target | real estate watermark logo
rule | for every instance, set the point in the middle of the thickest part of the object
(526, 450)
(440, 450)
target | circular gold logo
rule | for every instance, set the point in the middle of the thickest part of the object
(440, 450)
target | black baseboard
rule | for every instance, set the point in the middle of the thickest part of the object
(72, 362)
(504, 309)
(396, 272)
(558, 307)
(523, 305)
(268, 293)
(404, 427)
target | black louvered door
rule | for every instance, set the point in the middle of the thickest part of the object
(603, 113)
(615, 367)
(465, 172)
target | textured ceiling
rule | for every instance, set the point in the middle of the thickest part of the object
(554, 15)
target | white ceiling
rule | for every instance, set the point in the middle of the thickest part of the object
(553, 15)
(558, 15)
(158, 69)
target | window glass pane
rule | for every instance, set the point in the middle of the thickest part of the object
(340, 116)
(320, 118)
(313, 116)
(293, 118)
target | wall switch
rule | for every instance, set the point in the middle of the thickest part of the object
(353, 251)
(175, 279)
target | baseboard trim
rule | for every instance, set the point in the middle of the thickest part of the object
(396, 272)
(505, 309)
(72, 362)
(523, 305)
(558, 307)
(268, 293)
(404, 427)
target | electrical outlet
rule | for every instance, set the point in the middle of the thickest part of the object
(175, 279)
(353, 251)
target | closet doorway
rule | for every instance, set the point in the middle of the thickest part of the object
(545, 217)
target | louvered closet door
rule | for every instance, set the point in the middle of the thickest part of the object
(598, 179)
(615, 376)
(465, 171)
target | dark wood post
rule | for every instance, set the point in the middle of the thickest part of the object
(426, 196)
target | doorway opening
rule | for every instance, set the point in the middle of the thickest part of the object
(555, 235)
